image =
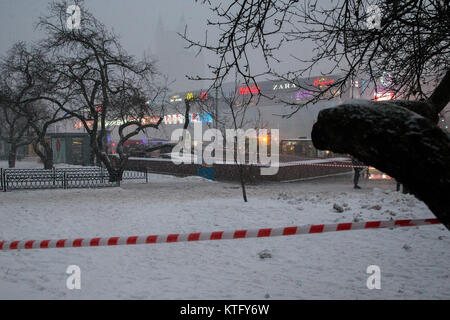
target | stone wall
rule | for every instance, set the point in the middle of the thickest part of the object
(230, 172)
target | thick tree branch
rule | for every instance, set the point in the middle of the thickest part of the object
(395, 140)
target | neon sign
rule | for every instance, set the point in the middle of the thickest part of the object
(193, 117)
(303, 94)
(323, 82)
(190, 96)
(175, 99)
(247, 90)
(167, 119)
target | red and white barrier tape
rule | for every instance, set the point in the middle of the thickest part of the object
(326, 165)
(217, 235)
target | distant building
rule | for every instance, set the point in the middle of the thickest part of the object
(71, 148)
(68, 148)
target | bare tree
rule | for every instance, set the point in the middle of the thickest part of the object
(15, 127)
(237, 121)
(235, 112)
(15, 88)
(26, 72)
(408, 39)
(105, 83)
(40, 117)
(135, 114)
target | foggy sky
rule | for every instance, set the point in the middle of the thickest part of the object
(135, 21)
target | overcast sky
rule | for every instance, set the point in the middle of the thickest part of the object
(134, 21)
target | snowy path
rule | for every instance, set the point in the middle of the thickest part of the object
(413, 261)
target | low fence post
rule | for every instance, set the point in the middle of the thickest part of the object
(54, 176)
(5, 182)
(64, 180)
(1, 178)
(146, 175)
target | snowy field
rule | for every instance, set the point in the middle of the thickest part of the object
(413, 261)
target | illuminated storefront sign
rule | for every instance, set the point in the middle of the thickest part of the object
(248, 90)
(168, 119)
(175, 98)
(384, 96)
(79, 124)
(284, 86)
(323, 82)
(193, 117)
(303, 94)
(203, 95)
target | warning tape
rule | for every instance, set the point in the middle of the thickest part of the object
(217, 235)
(326, 165)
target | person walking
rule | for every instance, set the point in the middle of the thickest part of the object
(357, 167)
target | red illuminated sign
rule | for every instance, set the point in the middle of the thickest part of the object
(247, 90)
(323, 82)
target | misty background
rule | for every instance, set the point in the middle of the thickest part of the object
(144, 27)
(150, 28)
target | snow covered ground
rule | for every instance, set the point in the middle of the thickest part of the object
(413, 261)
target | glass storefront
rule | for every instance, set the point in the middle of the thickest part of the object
(59, 150)
(304, 148)
(299, 147)
(77, 151)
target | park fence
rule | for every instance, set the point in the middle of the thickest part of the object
(65, 178)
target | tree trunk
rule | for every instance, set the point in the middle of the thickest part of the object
(47, 155)
(12, 156)
(115, 174)
(395, 140)
(242, 180)
(48, 164)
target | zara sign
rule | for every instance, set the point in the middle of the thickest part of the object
(284, 86)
